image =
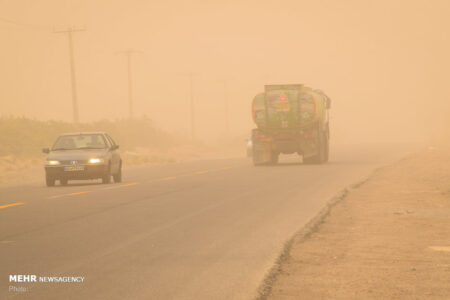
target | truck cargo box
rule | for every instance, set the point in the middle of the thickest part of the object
(293, 106)
(290, 118)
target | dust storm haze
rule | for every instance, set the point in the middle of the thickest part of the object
(219, 216)
(385, 64)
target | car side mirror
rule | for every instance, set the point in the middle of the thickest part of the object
(46, 150)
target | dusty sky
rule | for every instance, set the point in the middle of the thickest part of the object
(385, 64)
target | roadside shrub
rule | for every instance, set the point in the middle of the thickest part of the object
(21, 136)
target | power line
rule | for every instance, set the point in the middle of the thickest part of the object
(70, 31)
(192, 102)
(28, 26)
(129, 54)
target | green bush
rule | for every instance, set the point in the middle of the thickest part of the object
(26, 137)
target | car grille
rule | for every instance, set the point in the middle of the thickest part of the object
(71, 162)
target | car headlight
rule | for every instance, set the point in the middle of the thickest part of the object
(96, 160)
(53, 162)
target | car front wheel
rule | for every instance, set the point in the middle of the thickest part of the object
(118, 176)
(107, 176)
(49, 180)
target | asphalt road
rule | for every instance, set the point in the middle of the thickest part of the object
(197, 230)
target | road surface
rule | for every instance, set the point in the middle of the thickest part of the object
(195, 230)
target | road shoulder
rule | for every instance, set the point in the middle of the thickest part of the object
(387, 238)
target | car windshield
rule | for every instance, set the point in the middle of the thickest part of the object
(80, 141)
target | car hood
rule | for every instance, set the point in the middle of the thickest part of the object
(83, 154)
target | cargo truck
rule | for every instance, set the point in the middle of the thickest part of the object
(290, 118)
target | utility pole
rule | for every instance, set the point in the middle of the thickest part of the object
(225, 94)
(191, 84)
(70, 31)
(129, 54)
(192, 103)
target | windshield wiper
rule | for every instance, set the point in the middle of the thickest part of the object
(56, 149)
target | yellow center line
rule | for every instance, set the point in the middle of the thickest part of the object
(440, 248)
(79, 193)
(195, 173)
(201, 172)
(130, 184)
(12, 204)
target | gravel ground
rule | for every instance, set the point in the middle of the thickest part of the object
(387, 239)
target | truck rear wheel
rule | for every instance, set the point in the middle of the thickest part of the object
(326, 148)
(263, 155)
(274, 157)
(256, 157)
(323, 149)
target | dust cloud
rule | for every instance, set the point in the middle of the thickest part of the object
(384, 64)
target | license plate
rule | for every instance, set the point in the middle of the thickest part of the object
(74, 168)
(283, 107)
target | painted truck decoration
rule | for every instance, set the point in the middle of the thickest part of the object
(290, 119)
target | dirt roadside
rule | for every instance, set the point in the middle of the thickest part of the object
(21, 170)
(387, 239)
